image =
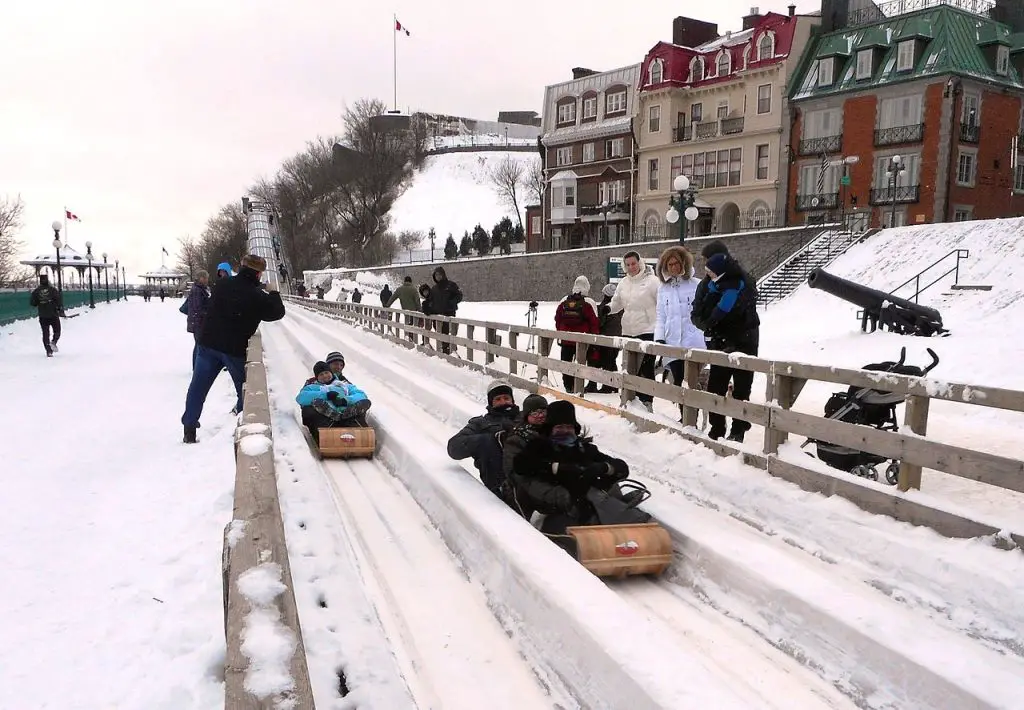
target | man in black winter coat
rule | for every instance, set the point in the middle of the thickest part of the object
(479, 439)
(725, 308)
(238, 304)
(48, 302)
(445, 297)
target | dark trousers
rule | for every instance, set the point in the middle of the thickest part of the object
(195, 349)
(45, 324)
(489, 463)
(448, 329)
(567, 353)
(676, 368)
(209, 363)
(718, 383)
(646, 368)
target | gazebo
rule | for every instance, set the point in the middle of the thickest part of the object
(164, 277)
(69, 259)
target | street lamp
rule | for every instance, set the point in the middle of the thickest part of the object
(895, 168)
(106, 277)
(683, 202)
(605, 206)
(124, 284)
(88, 255)
(117, 289)
(56, 245)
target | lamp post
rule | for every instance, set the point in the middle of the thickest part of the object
(683, 202)
(605, 206)
(124, 284)
(106, 277)
(117, 289)
(56, 245)
(88, 255)
(895, 168)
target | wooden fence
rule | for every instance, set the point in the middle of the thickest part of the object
(255, 554)
(785, 381)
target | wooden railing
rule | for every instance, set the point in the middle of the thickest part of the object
(785, 381)
(255, 562)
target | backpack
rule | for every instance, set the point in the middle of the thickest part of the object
(572, 311)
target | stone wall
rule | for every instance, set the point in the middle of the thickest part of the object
(547, 276)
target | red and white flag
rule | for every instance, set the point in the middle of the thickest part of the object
(400, 28)
(71, 215)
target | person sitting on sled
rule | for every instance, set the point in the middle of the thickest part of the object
(555, 471)
(336, 361)
(481, 437)
(330, 402)
(535, 409)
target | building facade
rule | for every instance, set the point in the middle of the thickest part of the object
(588, 146)
(715, 108)
(908, 117)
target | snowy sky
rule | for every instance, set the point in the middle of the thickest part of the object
(144, 117)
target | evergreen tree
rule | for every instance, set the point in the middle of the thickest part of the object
(518, 234)
(451, 251)
(481, 240)
(466, 245)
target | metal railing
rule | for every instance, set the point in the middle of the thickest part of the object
(896, 135)
(708, 129)
(823, 201)
(969, 133)
(915, 280)
(875, 12)
(682, 133)
(817, 146)
(903, 194)
(732, 126)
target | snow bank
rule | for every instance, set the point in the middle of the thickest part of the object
(266, 641)
(255, 444)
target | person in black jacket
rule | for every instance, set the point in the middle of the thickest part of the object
(47, 300)
(480, 438)
(535, 409)
(556, 470)
(725, 308)
(238, 304)
(445, 297)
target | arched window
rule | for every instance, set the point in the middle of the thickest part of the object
(758, 215)
(766, 46)
(746, 55)
(656, 73)
(696, 69)
(724, 64)
(652, 225)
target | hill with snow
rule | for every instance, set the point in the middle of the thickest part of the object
(453, 193)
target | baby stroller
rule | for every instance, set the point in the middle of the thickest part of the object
(868, 407)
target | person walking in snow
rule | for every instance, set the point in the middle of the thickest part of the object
(576, 314)
(636, 296)
(445, 297)
(408, 299)
(357, 297)
(385, 295)
(479, 439)
(196, 305)
(610, 325)
(238, 304)
(48, 304)
(675, 302)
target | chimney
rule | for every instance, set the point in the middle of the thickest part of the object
(792, 10)
(580, 72)
(687, 32)
(834, 15)
(752, 19)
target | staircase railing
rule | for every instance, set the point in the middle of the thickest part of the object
(959, 254)
(771, 262)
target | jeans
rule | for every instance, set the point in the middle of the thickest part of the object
(209, 363)
(646, 367)
(195, 350)
(45, 324)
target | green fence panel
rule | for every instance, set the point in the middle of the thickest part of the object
(14, 305)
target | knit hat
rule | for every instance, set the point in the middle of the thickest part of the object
(560, 412)
(534, 402)
(581, 285)
(609, 290)
(498, 387)
(717, 264)
(225, 267)
(715, 246)
(320, 367)
(334, 357)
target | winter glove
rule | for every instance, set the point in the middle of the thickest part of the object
(597, 470)
(336, 399)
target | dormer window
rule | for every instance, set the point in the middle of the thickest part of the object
(696, 69)
(826, 71)
(865, 62)
(1003, 60)
(724, 64)
(566, 111)
(905, 55)
(766, 46)
(656, 72)
(614, 102)
(589, 107)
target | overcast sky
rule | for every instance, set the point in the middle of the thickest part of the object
(144, 117)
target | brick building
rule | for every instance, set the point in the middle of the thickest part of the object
(927, 102)
(714, 108)
(588, 148)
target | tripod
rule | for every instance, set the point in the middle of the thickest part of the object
(531, 322)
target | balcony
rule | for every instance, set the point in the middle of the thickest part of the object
(896, 135)
(682, 133)
(904, 194)
(817, 146)
(621, 207)
(826, 201)
(969, 133)
(732, 126)
(708, 129)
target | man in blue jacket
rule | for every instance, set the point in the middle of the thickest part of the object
(331, 402)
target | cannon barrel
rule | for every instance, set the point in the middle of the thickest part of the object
(869, 299)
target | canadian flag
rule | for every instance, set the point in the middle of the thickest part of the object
(71, 215)
(399, 28)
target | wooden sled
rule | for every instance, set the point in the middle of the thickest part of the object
(347, 442)
(623, 550)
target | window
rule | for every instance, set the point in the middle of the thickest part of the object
(654, 119)
(563, 196)
(735, 164)
(615, 102)
(652, 226)
(1018, 178)
(970, 114)
(676, 167)
(612, 191)
(905, 56)
(724, 64)
(965, 169)
(1002, 60)
(697, 178)
(759, 216)
(962, 214)
(762, 162)
(823, 123)
(723, 168)
(723, 110)
(590, 107)
(711, 169)
(900, 111)
(588, 152)
(810, 173)
(696, 113)
(657, 71)
(535, 225)
(567, 113)
(614, 148)
(696, 69)
(764, 98)
(865, 61)
(652, 174)
(766, 47)
(826, 67)
(909, 176)
(563, 156)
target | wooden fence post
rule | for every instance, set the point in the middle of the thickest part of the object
(543, 350)
(783, 390)
(513, 342)
(470, 353)
(491, 335)
(916, 419)
(691, 375)
(631, 361)
(579, 384)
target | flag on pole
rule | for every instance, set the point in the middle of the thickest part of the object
(821, 175)
(165, 251)
(400, 28)
(68, 214)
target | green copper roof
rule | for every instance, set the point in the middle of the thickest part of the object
(1017, 43)
(951, 42)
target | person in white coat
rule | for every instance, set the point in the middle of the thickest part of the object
(675, 301)
(637, 297)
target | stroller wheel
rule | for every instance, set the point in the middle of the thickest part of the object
(865, 472)
(892, 473)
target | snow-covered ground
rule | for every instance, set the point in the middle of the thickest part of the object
(110, 537)
(453, 193)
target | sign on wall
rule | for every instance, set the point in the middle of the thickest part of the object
(616, 271)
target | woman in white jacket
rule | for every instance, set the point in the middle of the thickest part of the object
(637, 298)
(675, 301)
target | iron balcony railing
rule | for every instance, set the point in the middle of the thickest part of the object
(969, 133)
(913, 133)
(817, 146)
(903, 193)
(732, 126)
(875, 12)
(613, 208)
(682, 133)
(708, 129)
(824, 201)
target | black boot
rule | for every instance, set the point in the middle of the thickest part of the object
(190, 435)
(737, 435)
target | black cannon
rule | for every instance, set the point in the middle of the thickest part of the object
(896, 314)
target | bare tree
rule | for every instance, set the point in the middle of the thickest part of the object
(507, 180)
(409, 239)
(11, 213)
(190, 256)
(533, 180)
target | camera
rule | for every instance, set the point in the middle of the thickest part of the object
(533, 305)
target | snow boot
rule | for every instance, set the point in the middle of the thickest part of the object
(190, 435)
(54, 348)
(736, 436)
(49, 354)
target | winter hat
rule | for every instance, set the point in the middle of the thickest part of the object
(581, 285)
(225, 267)
(609, 290)
(320, 367)
(334, 357)
(717, 264)
(715, 246)
(560, 412)
(497, 387)
(534, 402)
(44, 280)
(256, 263)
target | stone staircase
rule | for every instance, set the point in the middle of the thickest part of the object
(783, 280)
